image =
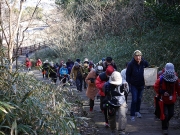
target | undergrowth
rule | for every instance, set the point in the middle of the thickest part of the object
(29, 106)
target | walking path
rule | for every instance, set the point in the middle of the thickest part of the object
(146, 125)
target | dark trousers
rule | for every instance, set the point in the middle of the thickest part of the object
(64, 80)
(54, 80)
(79, 83)
(168, 112)
(91, 103)
(103, 108)
(85, 85)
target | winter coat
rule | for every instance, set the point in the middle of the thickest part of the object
(46, 66)
(52, 72)
(167, 87)
(114, 95)
(135, 72)
(69, 65)
(74, 72)
(28, 64)
(105, 65)
(91, 89)
(85, 71)
(123, 74)
(63, 71)
(39, 63)
(101, 79)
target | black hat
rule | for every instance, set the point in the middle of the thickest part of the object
(78, 60)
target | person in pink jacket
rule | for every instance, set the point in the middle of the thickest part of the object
(92, 89)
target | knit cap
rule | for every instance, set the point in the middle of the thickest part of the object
(109, 70)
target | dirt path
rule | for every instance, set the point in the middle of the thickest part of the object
(146, 125)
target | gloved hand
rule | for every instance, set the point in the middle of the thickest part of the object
(70, 80)
(92, 80)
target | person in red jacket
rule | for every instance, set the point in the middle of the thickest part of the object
(39, 63)
(167, 87)
(101, 79)
(28, 64)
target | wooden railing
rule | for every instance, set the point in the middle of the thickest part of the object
(29, 49)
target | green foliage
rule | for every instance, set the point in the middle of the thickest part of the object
(49, 54)
(166, 13)
(29, 106)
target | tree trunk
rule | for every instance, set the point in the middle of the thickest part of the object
(1, 45)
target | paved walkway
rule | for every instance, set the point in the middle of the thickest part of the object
(146, 125)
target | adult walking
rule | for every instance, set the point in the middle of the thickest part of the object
(69, 65)
(166, 87)
(76, 74)
(135, 78)
(85, 71)
(92, 90)
(107, 62)
(63, 72)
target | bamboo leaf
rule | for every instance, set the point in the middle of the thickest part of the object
(14, 128)
(3, 109)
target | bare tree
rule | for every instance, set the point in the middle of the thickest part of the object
(10, 25)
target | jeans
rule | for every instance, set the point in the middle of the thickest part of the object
(79, 83)
(137, 93)
(169, 112)
(122, 119)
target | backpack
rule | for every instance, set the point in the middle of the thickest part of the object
(115, 97)
(159, 114)
(113, 100)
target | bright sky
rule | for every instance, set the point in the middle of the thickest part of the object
(45, 4)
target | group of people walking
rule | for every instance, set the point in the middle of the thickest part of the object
(103, 79)
(113, 88)
(55, 71)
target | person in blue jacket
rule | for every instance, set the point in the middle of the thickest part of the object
(63, 74)
(135, 79)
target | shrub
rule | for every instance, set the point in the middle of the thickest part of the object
(39, 108)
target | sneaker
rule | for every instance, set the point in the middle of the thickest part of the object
(122, 133)
(138, 115)
(106, 125)
(132, 118)
(165, 132)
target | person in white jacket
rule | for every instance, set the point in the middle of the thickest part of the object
(124, 82)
